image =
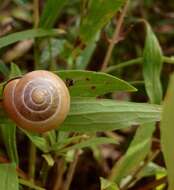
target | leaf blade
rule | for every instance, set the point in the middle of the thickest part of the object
(91, 115)
(100, 12)
(88, 83)
(28, 34)
(152, 65)
(47, 20)
(167, 132)
(9, 180)
(137, 151)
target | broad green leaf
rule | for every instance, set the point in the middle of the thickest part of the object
(8, 176)
(91, 115)
(108, 185)
(152, 66)
(14, 71)
(137, 151)
(54, 7)
(8, 133)
(99, 14)
(87, 83)
(167, 131)
(28, 34)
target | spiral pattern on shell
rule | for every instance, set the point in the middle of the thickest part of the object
(39, 101)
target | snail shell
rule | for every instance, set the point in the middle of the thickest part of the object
(38, 102)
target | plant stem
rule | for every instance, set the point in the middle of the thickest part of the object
(36, 13)
(32, 162)
(115, 37)
(168, 59)
(138, 82)
(139, 60)
(71, 171)
(36, 23)
(59, 175)
(30, 185)
(124, 64)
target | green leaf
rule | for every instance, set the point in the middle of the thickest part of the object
(152, 169)
(99, 14)
(8, 176)
(8, 133)
(137, 151)
(152, 66)
(91, 115)
(85, 56)
(90, 142)
(1, 89)
(4, 69)
(14, 71)
(87, 83)
(29, 184)
(21, 2)
(108, 185)
(54, 7)
(28, 34)
(39, 141)
(167, 131)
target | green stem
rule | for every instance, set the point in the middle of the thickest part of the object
(115, 37)
(139, 60)
(168, 59)
(32, 161)
(30, 185)
(36, 23)
(138, 82)
(124, 64)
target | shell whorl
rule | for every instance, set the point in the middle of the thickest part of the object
(39, 101)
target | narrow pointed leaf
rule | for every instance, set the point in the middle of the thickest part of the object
(28, 34)
(54, 7)
(136, 153)
(152, 66)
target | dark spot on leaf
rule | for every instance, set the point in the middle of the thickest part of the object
(87, 79)
(93, 87)
(69, 82)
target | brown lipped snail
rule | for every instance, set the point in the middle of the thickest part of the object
(38, 102)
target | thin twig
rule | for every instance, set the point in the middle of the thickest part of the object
(36, 13)
(131, 62)
(154, 184)
(32, 161)
(115, 37)
(60, 171)
(71, 171)
(36, 24)
(20, 172)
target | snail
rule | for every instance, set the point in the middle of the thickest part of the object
(38, 102)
